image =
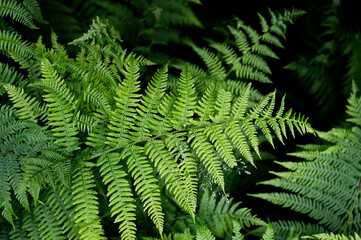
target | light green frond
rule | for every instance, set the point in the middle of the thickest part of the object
(203, 233)
(149, 104)
(239, 139)
(353, 107)
(11, 42)
(145, 183)
(28, 107)
(187, 165)
(61, 104)
(222, 106)
(126, 102)
(206, 105)
(207, 155)
(185, 104)
(172, 174)
(16, 12)
(212, 62)
(85, 203)
(240, 39)
(121, 200)
(269, 234)
(223, 146)
(161, 124)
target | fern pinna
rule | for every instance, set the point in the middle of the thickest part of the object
(326, 186)
(82, 132)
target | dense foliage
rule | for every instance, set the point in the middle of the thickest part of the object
(119, 121)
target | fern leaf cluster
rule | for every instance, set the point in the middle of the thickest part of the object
(84, 142)
(326, 186)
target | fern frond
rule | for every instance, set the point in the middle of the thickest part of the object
(61, 103)
(85, 203)
(9, 75)
(12, 43)
(121, 199)
(169, 170)
(5, 194)
(31, 224)
(185, 104)
(204, 233)
(16, 12)
(28, 107)
(207, 155)
(34, 9)
(149, 104)
(212, 62)
(126, 101)
(145, 183)
(48, 225)
(60, 201)
(220, 215)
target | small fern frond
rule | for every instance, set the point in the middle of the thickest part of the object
(126, 101)
(61, 103)
(185, 104)
(145, 183)
(121, 200)
(85, 202)
(28, 107)
(149, 104)
(12, 43)
(16, 12)
(9, 75)
(169, 170)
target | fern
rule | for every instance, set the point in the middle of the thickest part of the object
(248, 61)
(326, 186)
(16, 12)
(88, 140)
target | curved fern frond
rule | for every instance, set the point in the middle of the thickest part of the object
(126, 102)
(121, 200)
(326, 186)
(85, 203)
(16, 12)
(11, 42)
(28, 107)
(61, 103)
(145, 183)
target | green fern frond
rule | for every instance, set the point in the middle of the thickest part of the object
(48, 224)
(326, 185)
(207, 156)
(121, 200)
(332, 236)
(9, 75)
(185, 104)
(85, 202)
(149, 104)
(219, 215)
(34, 9)
(16, 12)
(145, 183)
(171, 173)
(12, 43)
(31, 224)
(28, 107)
(126, 101)
(61, 103)
(204, 233)
(60, 201)
(269, 234)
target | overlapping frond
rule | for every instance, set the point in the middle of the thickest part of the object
(325, 186)
(11, 42)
